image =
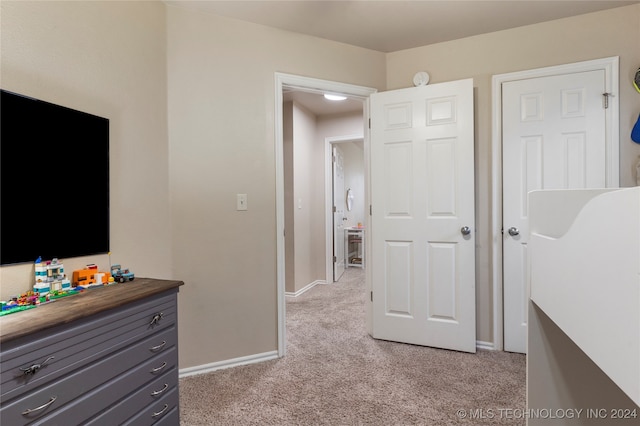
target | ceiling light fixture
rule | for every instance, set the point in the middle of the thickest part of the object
(334, 97)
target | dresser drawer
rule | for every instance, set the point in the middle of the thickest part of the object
(65, 349)
(124, 395)
(160, 411)
(172, 418)
(130, 406)
(83, 382)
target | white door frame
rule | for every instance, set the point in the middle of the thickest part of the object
(328, 196)
(610, 66)
(314, 85)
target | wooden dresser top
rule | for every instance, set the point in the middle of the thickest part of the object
(75, 307)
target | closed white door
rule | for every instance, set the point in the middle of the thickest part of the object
(339, 201)
(553, 137)
(422, 235)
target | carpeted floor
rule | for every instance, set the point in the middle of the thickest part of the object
(334, 373)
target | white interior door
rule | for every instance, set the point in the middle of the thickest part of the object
(422, 234)
(553, 137)
(339, 202)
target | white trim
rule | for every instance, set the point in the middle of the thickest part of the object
(235, 362)
(328, 195)
(305, 288)
(280, 243)
(367, 212)
(485, 345)
(315, 85)
(610, 66)
(306, 84)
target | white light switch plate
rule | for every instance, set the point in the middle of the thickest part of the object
(241, 201)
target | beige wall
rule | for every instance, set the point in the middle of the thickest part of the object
(610, 33)
(307, 203)
(221, 142)
(335, 125)
(109, 59)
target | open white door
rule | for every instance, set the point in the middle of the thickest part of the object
(422, 232)
(339, 201)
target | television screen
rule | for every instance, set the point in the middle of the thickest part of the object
(54, 187)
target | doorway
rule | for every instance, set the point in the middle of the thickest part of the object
(305, 84)
(449, 105)
(336, 199)
(584, 92)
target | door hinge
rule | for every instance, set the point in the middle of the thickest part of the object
(369, 123)
(606, 99)
(335, 259)
(372, 296)
(334, 209)
(370, 210)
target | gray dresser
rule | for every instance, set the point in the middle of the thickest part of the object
(107, 356)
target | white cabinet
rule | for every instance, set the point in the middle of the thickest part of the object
(354, 247)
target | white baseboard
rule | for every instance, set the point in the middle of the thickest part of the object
(485, 345)
(235, 362)
(265, 356)
(305, 288)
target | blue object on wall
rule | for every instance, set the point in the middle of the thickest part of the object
(635, 132)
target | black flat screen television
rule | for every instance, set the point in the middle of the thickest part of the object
(54, 187)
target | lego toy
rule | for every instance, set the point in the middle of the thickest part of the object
(50, 276)
(52, 283)
(121, 275)
(90, 277)
(32, 299)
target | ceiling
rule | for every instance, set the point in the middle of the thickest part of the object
(318, 105)
(392, 25)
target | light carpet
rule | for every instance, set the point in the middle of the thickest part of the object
(334, 373)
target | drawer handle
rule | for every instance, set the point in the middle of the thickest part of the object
(156, 318)
(157, 348)
(158, 392)
(42, 407)
(155, 370)
(33, 369)
(161, 412)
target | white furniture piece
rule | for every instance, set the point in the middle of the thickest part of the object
(584, 279)
(354, 247)
(106, 356)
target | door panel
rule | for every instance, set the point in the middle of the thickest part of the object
(422, 192)
(553, 137)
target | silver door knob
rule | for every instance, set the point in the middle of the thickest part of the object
(513, 231)
(465, 230)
